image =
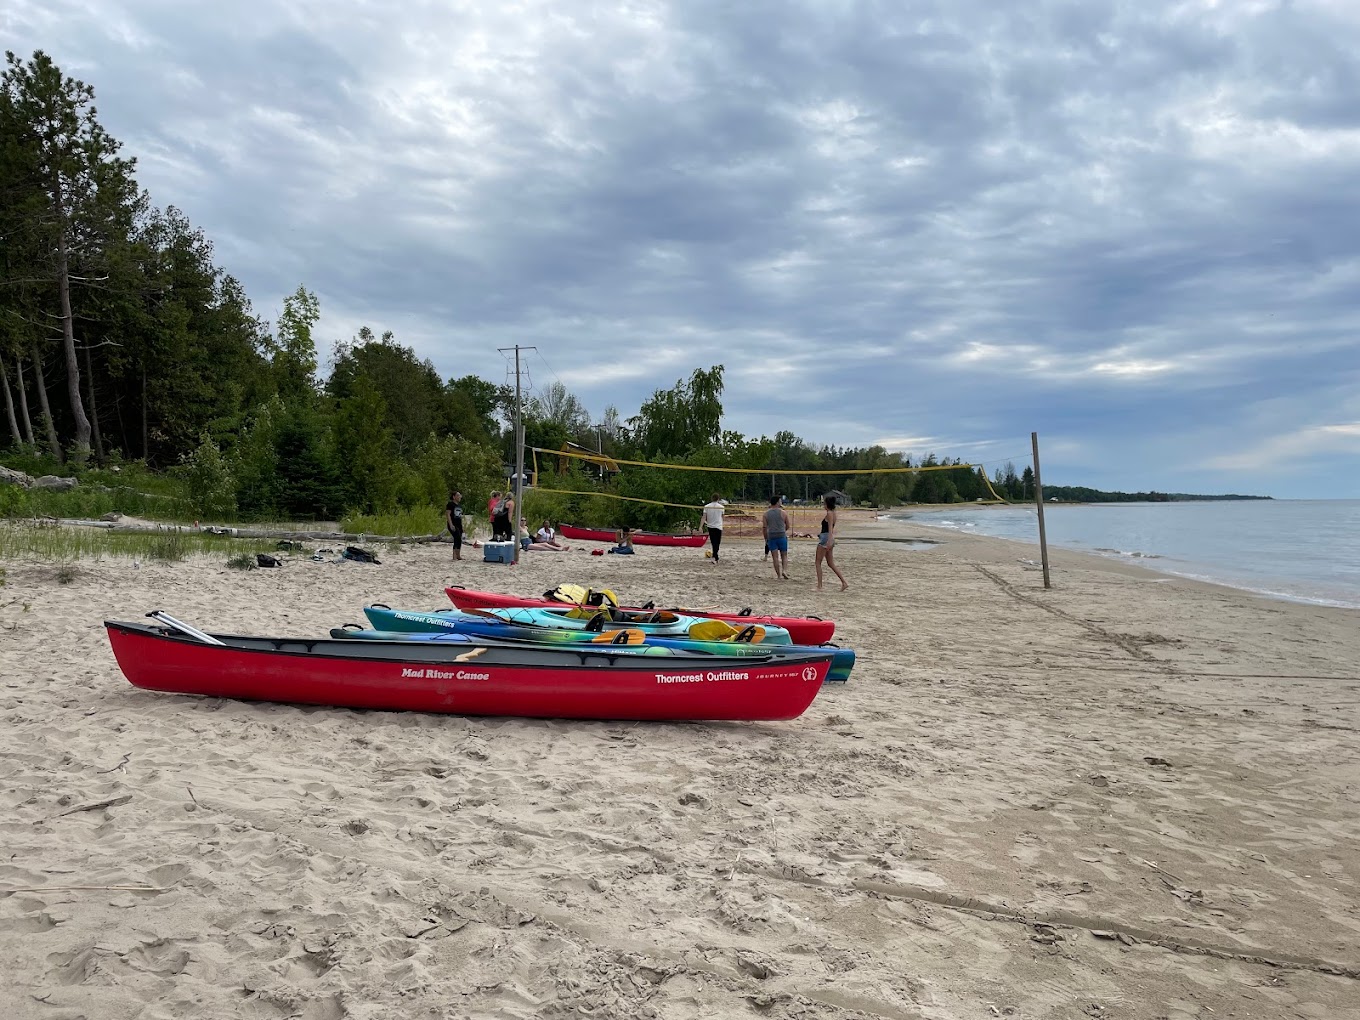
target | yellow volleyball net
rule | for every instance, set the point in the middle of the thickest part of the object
(741, 517)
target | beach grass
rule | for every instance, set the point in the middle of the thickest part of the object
(417, 521)
(63, 544)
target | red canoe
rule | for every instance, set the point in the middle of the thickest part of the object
(639, 537)
(424, 677)
(803, 630)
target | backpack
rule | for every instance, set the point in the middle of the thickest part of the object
(353, 552)
(265, 560)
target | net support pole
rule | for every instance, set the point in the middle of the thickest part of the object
(1039, 505)
(519, 456)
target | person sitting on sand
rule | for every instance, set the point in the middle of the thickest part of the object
(624, 541)
(546, 538)
(537, 546)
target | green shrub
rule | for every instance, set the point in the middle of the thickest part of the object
(211, 484)
(170, 546)
(453, 462)
(425, 520)
(243, 561)
(14, 501)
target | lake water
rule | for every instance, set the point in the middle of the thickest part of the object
(1301, 550)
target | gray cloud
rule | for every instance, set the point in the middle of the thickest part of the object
(1129, 226)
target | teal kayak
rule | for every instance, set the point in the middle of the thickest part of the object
(426, 625)
(661, 623)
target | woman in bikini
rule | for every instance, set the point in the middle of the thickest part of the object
(826, 544)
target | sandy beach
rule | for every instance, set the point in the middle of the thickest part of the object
(1127, 797)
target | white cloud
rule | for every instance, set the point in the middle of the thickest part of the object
(1291, 452)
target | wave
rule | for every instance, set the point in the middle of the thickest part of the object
(1134, 555)
(1274, 593)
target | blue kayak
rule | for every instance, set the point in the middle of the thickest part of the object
(570, 628)
(428, 624)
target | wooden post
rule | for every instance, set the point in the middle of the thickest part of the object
(1039, 502)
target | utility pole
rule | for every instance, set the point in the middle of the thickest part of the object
(519, 446)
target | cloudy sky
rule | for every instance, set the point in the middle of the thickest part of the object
(1131, 226)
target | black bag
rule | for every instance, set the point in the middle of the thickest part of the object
(265, 560)
(353, 552)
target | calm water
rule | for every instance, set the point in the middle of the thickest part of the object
(1302, 550)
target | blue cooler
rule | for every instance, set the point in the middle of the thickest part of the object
(498, 552)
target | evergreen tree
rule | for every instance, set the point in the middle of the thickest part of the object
(86, 192)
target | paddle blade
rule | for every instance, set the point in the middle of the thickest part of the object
(627, 636)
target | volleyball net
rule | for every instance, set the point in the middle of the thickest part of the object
(742, 516)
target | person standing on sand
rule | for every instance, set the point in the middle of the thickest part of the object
(775, 526)
(491, 512)
(826, 543)
(453, 520)
(507, 517)
(713, 521)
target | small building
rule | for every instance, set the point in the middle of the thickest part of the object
(841, 498)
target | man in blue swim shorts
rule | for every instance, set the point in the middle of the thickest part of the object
(775, 526)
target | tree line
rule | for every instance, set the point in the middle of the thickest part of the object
(121, 339)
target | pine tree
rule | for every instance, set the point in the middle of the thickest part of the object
(85, 187)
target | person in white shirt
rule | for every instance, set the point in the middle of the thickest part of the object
(713, 521)
(543, 540)
(546, 539)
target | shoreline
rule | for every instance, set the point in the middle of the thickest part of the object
(1120, 559)
(1128, 796)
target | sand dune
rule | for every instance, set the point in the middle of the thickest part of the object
(1125, 797)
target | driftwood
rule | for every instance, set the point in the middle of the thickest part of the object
(145, 527)
(111, 802)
